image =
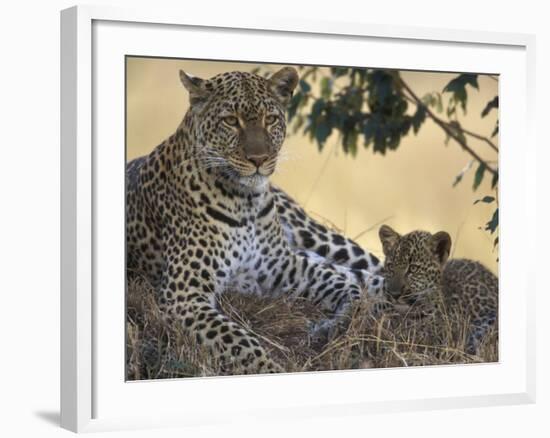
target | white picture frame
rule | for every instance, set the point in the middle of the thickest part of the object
(93, 396)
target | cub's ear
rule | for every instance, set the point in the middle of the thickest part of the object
(389, 238)
(283, 83)
(196, 88)
(441, 246)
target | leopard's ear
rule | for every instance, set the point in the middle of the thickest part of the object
(441, 246)
(389, 238)
(283, 83)
(196, 87)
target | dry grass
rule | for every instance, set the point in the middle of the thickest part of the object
(156, 350)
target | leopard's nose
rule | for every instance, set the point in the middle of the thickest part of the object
(258, 160)
(393, 287)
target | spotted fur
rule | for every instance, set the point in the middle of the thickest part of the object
(417, 273)
(202, 217)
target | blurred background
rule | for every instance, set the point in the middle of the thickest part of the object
(409, 186)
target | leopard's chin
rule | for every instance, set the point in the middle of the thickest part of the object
(256, 181)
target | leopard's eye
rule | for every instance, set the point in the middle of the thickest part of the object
(269, 120)
(231, 120)
(388, 266)
(413, 269)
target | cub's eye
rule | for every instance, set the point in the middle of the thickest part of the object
(388, 266)
(269, 120)
(413, 269)
(231, 121)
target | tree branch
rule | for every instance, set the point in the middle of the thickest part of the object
(446, 127)
(465, 131)
(479, 137)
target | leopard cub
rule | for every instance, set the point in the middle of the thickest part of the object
(417, 274)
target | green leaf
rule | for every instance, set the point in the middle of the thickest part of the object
(460, 82)
(494, 181)
(495, 131)
(317, 108)
(456, 129)
(293, 105)
(380, 139)
(304, 86)
(451, 108)
(299, 122)
(323, 129)
(492, 225)
(478, 177)
(418, 118)
(433, 100)
(339, 71)
(439, 103)
(349, 142)
(322, 133)
(369, 129)
(457, 87)
(459, 177)
(428, 99)
(485, 199)
(492, 104)
(326, 87)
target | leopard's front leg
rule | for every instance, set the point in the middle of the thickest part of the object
(188, 298)
(321, 283)
(371, 283)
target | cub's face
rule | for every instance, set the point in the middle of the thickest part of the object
(239, 121)
(413, 263)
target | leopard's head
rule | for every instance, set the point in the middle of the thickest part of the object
(413, 263)
(237, 124)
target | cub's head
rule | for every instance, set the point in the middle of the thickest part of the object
(238, 122)
(413, 262)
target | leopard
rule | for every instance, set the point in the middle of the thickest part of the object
(202, 216)
(418, 274)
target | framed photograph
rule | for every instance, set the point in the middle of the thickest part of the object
(255, 209)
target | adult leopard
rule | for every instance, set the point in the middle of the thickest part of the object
(201, 214)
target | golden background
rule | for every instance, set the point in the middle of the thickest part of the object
(410, 188)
